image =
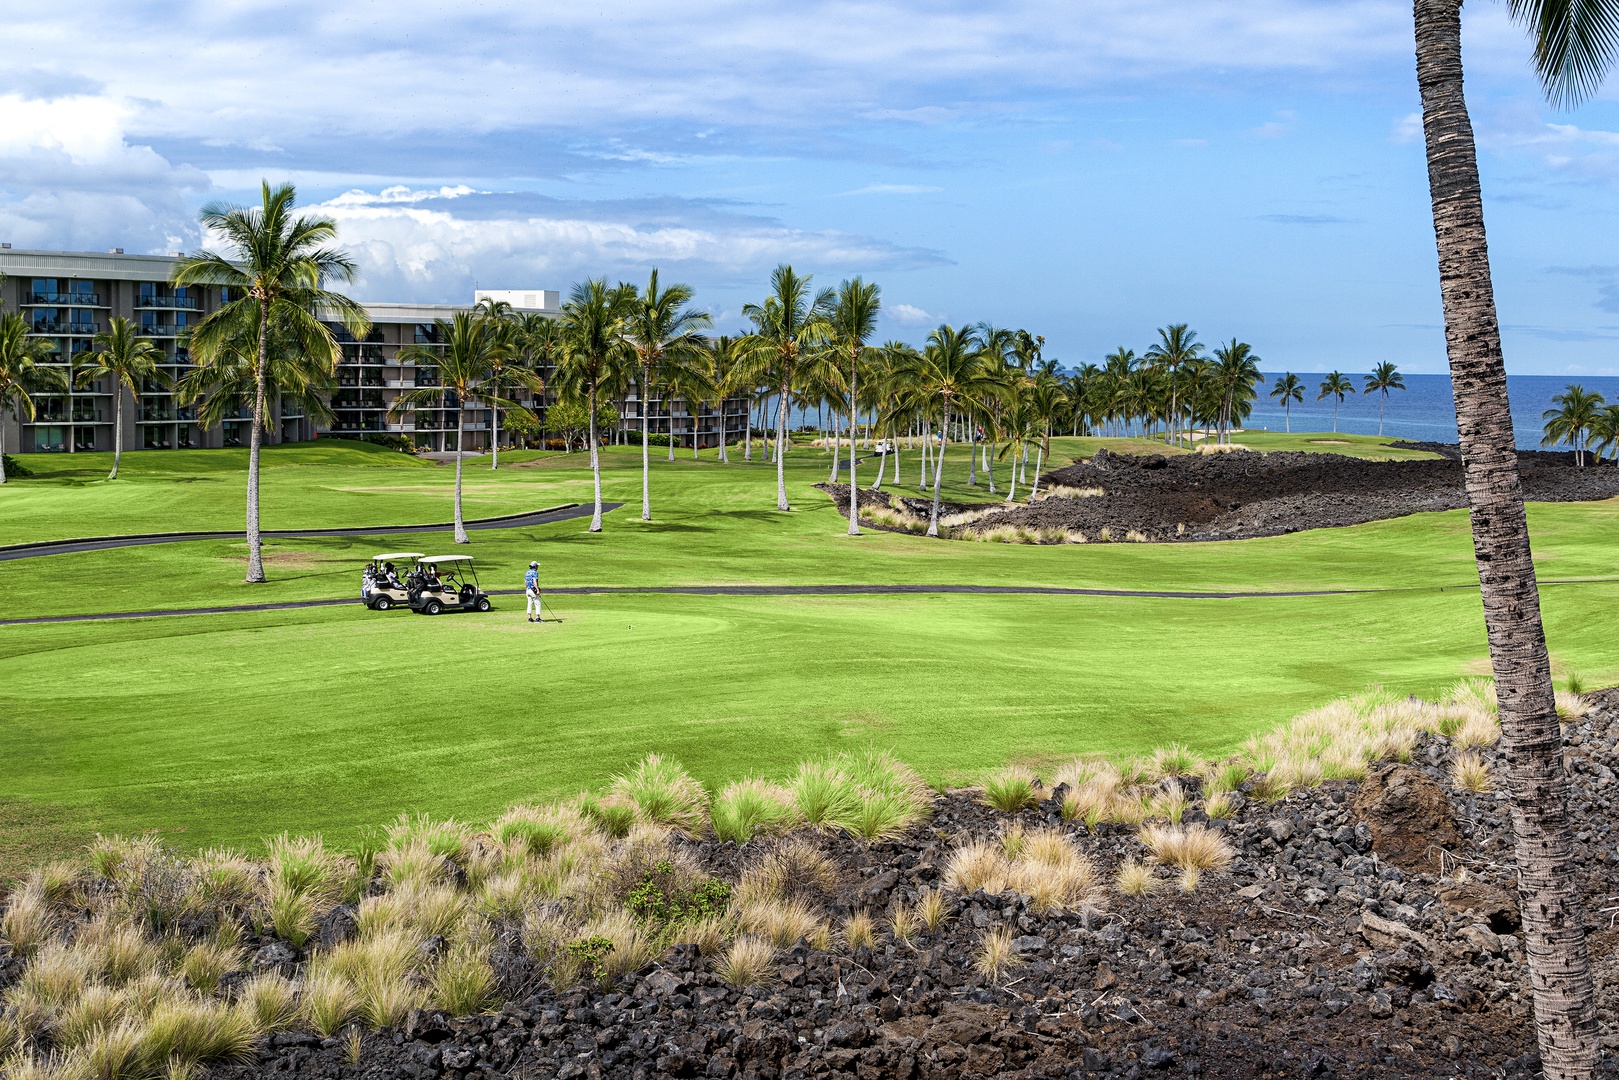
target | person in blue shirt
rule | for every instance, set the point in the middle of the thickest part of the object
(531, 589)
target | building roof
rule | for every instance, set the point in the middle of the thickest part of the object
(104, 265)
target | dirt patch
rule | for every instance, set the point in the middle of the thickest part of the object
(292, 560)
(1242, 494)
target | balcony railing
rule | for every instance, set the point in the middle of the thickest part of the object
(173, 303)
(156, 414)
(64, 326)
(65, 299)
(367, 424)
(161, 329)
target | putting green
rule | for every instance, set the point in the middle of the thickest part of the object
(227, 728)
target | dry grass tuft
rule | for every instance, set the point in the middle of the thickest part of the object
(1136, 878)
(1470, 773)
(747, 961)
(271, 1000)
(995, 953)
(781, 922)
(859, 931)
(463, 981)
(1188, 846)
(902, 924)
(1063, 491)
(793, 869)
(932, 909)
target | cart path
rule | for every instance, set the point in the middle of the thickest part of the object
(563, 512)
(782, 590)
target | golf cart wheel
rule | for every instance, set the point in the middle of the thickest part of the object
(382, 603)
(482, 604)
(433, 607)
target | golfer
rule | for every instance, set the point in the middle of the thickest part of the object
(531, 589)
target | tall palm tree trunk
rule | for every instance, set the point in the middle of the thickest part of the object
(1531, 741)
(1011, 491)
(646, 454)
(927, 440)
(460, 449)
(781, 447)
(723, 456)
(837, 449)
(255, 439)
(1335, 406)
(854, 483)
(747, 439)
(494, 442)
(1039, 459)
(938, 477)
(595, 462)
(117, 426)
(1383, 396)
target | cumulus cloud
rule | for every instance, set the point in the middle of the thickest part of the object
(911, 315)
(428, 244)
(70, 177)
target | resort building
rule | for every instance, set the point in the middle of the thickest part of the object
(69, 297)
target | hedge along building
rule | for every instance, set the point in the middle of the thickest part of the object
(69, 296)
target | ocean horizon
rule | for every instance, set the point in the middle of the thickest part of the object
(1425, 411)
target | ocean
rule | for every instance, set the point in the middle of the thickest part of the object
(1424, 410)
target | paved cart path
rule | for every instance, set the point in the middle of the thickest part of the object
(766, 590)
(101, 543)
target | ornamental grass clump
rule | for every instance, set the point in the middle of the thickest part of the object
(1010, 790)
(932, 909)
(463, 980)
(1135, 878)
(1044, 865)
(663, 794)
(746, 808)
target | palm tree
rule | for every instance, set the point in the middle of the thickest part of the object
(1235, 373)
(950, 371)
(469, 348)
(1604, 433)
(1176, 345)
(127, 358)
(226, 377)
(277, 272)
(1575, 46)
(1336, 385)
(734, 374)
(666, 337)
(1289, 388)
(1571, 421)
(1384, 377)
(851, 322)
(788, 324)
(594, 358)
(503, 317)
(22, 374)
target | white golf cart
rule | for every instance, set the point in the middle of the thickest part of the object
(446, 583)
(382, 586)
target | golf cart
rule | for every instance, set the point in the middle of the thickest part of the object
(379, 589)
(446, 583)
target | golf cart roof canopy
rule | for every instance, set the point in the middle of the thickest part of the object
(392, 555)
(445, 558)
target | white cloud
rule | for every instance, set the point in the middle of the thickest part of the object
(1407, 129)
(430, 245)
(911, 315)
(893, 189)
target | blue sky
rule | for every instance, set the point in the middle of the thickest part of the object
(1086, 170)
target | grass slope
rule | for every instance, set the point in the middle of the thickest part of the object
(229, 728)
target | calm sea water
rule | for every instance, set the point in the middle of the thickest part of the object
(1425, 409)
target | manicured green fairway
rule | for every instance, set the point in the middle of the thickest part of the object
(226, 728)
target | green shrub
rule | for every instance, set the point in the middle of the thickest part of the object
(15, 468)
(663, 896)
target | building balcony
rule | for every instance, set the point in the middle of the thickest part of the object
(157, 416)
(157, 330)
(64, 326)
(64, 299)
(168, 303)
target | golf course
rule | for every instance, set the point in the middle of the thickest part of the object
(229, 727)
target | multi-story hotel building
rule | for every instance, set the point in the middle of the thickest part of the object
(69, 297)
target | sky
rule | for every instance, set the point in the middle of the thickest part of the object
(1089, 170)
